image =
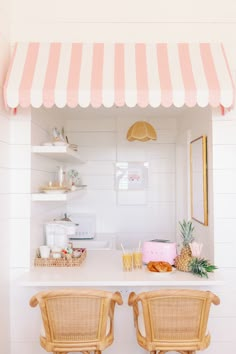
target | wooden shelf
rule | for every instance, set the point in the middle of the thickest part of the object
(59, 153)
(47, 197)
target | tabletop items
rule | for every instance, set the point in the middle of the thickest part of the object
(189, 259)
(132, 259)
(56, 257)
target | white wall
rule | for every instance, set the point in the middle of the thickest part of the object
(191, 125)
(5, 185)
(20, 214)
(131, 21)
(101, 137)
(43, 170)
(126, 21)
(27, 223)
(224, 177)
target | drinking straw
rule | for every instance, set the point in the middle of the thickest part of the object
(122, 248)
(139, 245)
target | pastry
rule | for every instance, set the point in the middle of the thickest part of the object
(159, 266)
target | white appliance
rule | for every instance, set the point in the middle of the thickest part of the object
(58, 233)
(85, 226)
(86, 236)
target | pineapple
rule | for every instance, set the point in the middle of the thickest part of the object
(185, 261)
(186, 231)
(201, 267)
(182, 262)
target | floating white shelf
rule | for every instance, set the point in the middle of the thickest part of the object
(59, 153)
(48, 197)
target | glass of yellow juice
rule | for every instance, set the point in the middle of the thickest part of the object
(137, 259)
(127, 260)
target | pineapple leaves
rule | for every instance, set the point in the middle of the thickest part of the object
(201, 267)
(186, 261)
(186, 232)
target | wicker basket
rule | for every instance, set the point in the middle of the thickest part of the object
(61, 262)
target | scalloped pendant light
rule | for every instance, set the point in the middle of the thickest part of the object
(141, 131)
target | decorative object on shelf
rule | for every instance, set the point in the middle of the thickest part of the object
(74, 178)
(66, 260)
(61, 176)
(189, 259)
(198, 177)
(141, 131)
(60, 185)
(58, 136)
(66, 218)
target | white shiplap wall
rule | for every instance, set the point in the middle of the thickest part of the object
(218, 238)
(20, 160)
(192, 125)
(4, 227)
(27, 226)
(43, 170)
(135, 21)
(224, 181)
(5, 184)
(93, 131)
(132, 215)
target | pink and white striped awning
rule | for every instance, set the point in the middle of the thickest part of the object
(119, 74)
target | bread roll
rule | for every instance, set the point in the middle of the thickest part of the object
(159, 266)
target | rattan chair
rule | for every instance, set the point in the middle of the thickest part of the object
(172, 320)
(76, 320)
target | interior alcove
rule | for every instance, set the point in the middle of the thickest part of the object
(101, 137)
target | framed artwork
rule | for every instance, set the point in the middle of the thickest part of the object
(198, 179)
(131, 176)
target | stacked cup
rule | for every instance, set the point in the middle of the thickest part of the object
(44, 251)
(127, 260)
(132, 259)
(137, 258)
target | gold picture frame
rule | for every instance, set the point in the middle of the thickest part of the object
(198, 180)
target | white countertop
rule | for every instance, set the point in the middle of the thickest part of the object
(104, 268)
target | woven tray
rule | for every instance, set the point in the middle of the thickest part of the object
(61, 262)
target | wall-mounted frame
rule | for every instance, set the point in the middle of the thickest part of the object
(131, 175)
(198, 180)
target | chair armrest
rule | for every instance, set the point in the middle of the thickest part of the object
(132, 298)
(133, 301)
(215, 300)
(117, 298)
(33, 301)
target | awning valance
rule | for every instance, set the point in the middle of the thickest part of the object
(119, 74)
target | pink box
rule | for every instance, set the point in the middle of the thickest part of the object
(159, 251)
